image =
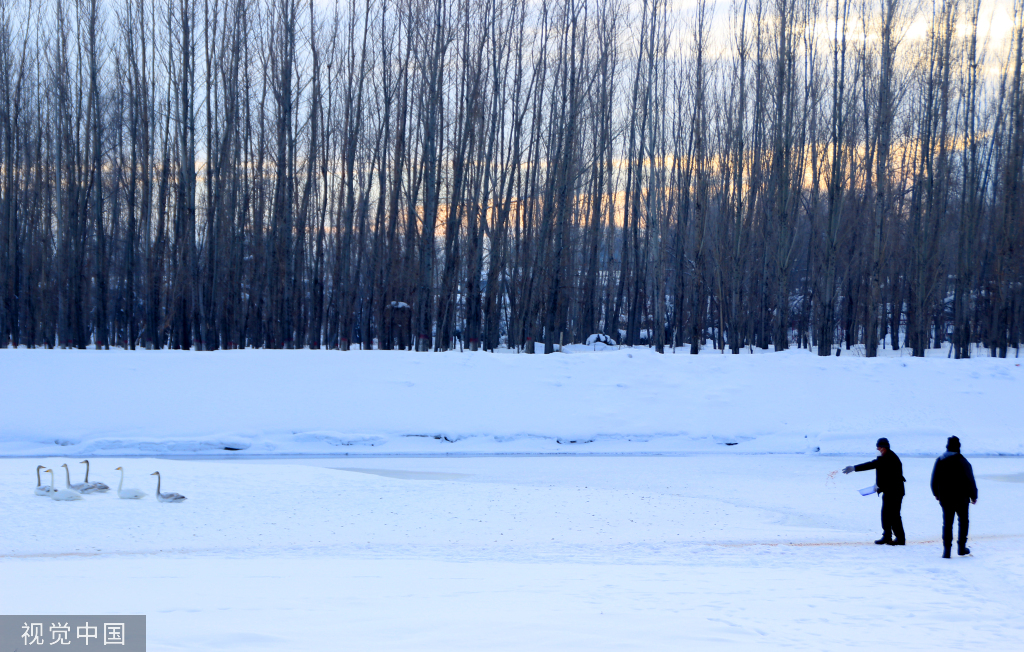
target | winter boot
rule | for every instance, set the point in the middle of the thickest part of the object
(962, 550)
(883, 541)
(946, 551)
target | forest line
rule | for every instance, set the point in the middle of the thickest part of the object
(482, 173)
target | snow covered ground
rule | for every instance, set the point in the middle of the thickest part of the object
(709, 551)
(66, 402)
(593, 500)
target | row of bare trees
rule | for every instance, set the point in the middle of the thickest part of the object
(435, 173)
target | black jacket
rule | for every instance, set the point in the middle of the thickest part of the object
(953, 478)
(888, 473)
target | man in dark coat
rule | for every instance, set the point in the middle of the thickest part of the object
(888, 482)
(953, 486)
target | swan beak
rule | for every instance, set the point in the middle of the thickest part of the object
(118, 469)
(155, 473)
(84, 462)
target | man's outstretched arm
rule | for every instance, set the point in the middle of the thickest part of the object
(866, 466)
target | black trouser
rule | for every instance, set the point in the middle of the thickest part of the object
(892, 523)
(959, 509)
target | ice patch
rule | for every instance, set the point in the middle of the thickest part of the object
(1013, 477)
(408, 475)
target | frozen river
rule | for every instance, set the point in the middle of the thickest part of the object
(520, 553)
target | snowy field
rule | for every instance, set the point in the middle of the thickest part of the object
(708, 551)
(89, 403)
(594, 500)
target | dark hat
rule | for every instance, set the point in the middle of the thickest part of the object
(882, 443)
(953, 444)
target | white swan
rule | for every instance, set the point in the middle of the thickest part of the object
(168, 497)
(40, 489)
(100, 487)
(81, 487)
(127, 493)
(61, 494)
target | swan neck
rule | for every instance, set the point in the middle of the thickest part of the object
(67, 474)
(119, 484)
(87, 471)
(157, 484)
(52, 488)
(39, 482)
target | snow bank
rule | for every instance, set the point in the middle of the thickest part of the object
(259, 402)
